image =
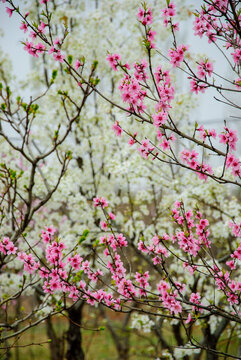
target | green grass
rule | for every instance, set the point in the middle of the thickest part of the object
(98, 345)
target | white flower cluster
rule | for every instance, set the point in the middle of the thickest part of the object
(141, 322)
(180, 352)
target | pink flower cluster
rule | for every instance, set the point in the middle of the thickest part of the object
(132, 93)
(236, 228)
(168, 13)
(168, 297)
(114, 242)
(34, 49)
(165, 89)
(160, 118)
(205, 24)
(234, 163)
(229, 137)
(48, 233)
(117, 129)
(155, 249)
(142, 280)
(140, 72)
(57, 55)
(205, 68)
(237, 56)
(146, 148)
(204, 133)
(100, 201)
(192, 238)
(195, 298)
(230, 288)
(39, 48)
(30, 264)
(162, 75)
(60, 273)
(197, 86)
(113, 60)
(177, 55)
(7, 247)
(190, 158)
(150, 37)
(145, 16)
(211, 22)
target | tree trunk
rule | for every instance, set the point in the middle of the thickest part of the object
(211, 339)
(56, 345)
(121, 337)
(123, 353)
(74, 336)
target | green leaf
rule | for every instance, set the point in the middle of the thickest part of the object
(69, 154)
(66, 70)
(13, 174)
(95, 64)
(70, 59)
(101, 328)
(96, 243)
(85, 232)
(24, 106)
(82, 238)
(54, 74)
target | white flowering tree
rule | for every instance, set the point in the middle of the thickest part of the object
(141, 196)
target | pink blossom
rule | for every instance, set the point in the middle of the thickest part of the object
(58, 56)
(77, 64)
(57, 41)
(104, 225)
(9, 11)
(51, 50)
(41, 27)
(33, 35)
(145, 16)
(113, 60)
(111, 216)
(40, 48)
(177, 55)
(117, 129)
(197, 86)
(24, 27)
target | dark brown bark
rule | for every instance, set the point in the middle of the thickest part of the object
(74, 336)
(56, 345)
(120, 336)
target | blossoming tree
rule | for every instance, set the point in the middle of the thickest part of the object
(183, 275)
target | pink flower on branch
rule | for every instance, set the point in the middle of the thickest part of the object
(113, 60)
(145, 16)
(117, 129)
(177, 55)
(58, 56)
(24, 26)
(9, 11)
